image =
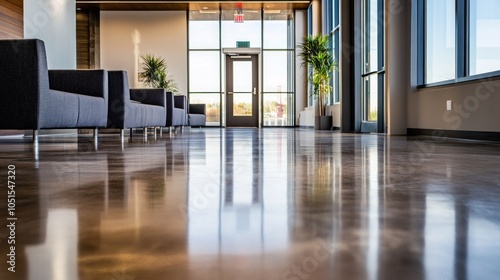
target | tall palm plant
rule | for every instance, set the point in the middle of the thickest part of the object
(316, 53)
(155, 73)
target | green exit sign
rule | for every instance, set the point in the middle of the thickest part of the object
(243, 44)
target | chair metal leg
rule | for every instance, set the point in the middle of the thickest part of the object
(145, 133)
(96, 134)
(35, 135)
(122, 134)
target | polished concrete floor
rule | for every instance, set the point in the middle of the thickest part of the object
(288, 204)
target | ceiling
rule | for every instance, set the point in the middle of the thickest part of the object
(158, 5)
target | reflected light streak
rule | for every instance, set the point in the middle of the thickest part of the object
(373, 213)
(136, 40)
(56, 259)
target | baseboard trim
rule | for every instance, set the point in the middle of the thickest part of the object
(459, 134)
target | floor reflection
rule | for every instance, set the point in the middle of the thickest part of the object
(256, 204)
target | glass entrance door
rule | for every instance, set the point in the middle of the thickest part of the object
(373, 70)
(242, 98)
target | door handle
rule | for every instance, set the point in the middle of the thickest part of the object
(230, 92)
(254, 91)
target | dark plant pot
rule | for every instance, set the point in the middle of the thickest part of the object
(323, 123)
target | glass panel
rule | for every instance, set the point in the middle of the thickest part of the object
(484, 36)
(212, 103)
(204, 71)
(278, 71)
(440, 40)
(204, 29)
(371, 36)
(371, 98)
(242, 104)
(249, 30)
(278, 29)
(275, 108)
(335, 75)
(242, 76)
(335, 12)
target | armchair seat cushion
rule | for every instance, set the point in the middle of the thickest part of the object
(146, 115)
(60, 110)
(92, 109)
(197, 120)
(178, 116)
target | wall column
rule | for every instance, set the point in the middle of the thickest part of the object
(398, 64)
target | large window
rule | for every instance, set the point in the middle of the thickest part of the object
(278, 71)
(440, 40)
(331, 25)
(212, 29)
(484, 36)
(204, 62)
(461, 39)
(373, 67)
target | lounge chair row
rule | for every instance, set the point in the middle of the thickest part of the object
(33, 97)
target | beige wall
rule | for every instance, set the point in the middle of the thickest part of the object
(475, 107)
(127, 35)
(398, 61)
(317, 17)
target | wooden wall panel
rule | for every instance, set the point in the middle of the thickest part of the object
(11, 19)
(87, 39)
(82, 40)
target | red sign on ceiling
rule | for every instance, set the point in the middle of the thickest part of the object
(238, 18)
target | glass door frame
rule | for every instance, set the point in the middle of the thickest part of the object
(227, 52)
(366, 73)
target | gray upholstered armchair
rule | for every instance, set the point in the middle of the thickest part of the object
(33, 97)
(197, 115)
(134, 108)
(176, 110)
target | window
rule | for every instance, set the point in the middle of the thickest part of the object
(249, 31)
(272, 31)
(440, 41)
(205, 62)
(460, 38)
(331, 25)
(484, 42)
(278, 68)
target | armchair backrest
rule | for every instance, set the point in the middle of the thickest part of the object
(119, 98)
(23, 79)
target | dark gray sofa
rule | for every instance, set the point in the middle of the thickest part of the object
(197, 115)
(176, 110)
(33, 97)
(134, 108)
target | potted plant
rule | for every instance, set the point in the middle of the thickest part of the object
(316, 53)
(155, 73)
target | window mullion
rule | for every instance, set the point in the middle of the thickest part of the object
(461, 37)
(421, 31)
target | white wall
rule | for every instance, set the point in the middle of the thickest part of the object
(127, 35)
(54, 22)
